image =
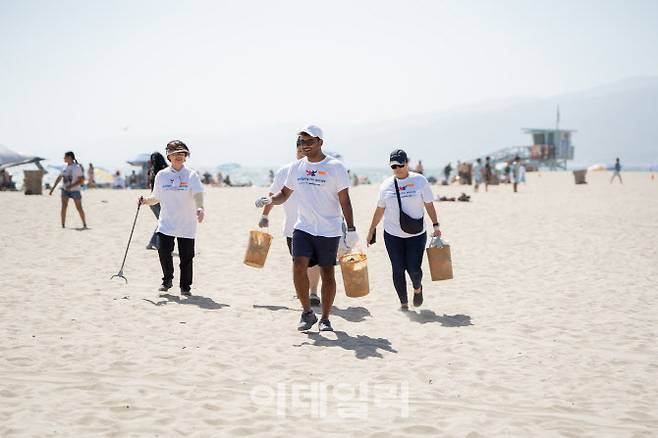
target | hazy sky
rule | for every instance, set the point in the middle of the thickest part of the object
(73, 73)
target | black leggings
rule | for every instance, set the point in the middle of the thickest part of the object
(406, 254)
(185, 254)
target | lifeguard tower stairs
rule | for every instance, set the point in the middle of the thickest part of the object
(551, 148)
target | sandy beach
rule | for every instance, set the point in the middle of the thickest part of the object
(549, 327)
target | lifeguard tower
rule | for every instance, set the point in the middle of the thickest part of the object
(550, 148)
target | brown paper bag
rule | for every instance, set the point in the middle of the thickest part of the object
(257, 249)
(440, 262)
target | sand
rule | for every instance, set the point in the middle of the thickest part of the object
(548, 328)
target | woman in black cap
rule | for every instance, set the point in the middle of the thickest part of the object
(403, 199)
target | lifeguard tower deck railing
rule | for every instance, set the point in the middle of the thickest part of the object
(551, 148)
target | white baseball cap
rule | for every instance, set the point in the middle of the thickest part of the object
(313, 131)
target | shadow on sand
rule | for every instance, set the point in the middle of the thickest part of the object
(425, 316)
(352, 314)
(362, 346)
(194, 300)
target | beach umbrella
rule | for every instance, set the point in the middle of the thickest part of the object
(597, 167)
(140, 159)
(9, 158)
(102, 176)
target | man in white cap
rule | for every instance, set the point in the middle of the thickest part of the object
(322, 186)
(180, 194)
(290, 218)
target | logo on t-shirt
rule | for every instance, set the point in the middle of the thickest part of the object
(313, 177)
(404, 187)
(182, 185)
(315, 172)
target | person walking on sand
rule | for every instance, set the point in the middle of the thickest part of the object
(156, 163)
(179, 192)
(290, 210)
(322, 184)
(477, 174)
(413, 193)
(72, 178)
(91, 181)
(616, 172)
(516, 173)
(488, 172)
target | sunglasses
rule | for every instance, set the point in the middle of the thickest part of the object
(397, 166)
(308, 142)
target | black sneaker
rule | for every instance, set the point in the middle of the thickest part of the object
(315, 300)
(418, 297)
(307, 320)
(185, 292)
(404, 307)
(325, 326)
(165, 286)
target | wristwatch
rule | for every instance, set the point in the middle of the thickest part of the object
(351, 228)
(436, 226)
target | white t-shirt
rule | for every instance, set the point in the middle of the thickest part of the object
(71, 173)
(415, 192)
(176, 190)
(291, 205)
(317, 186)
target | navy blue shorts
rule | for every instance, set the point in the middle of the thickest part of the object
(320, 250)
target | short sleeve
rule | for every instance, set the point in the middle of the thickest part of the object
(342, 177)
(291, 177)
(155, 190)
(381, 201)
(279, 180)
(195, 183)
(426, 193)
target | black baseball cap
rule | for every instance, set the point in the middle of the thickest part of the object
(399, 157)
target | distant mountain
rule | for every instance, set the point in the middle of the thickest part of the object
(617, 119)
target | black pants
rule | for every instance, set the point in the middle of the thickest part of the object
(185, 253)
(406, 254)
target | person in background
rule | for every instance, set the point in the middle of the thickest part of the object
(419, 168)
(616, 172)
(477, 174)
(507, 170)
(72, 178)
(91, 182)
(156, 163)
(132, 180)
(118, 182)
(488, 173)
(404, 250)
(6, 182)
(515, 172)
(446, 174)
(522, 171)
(290, 208)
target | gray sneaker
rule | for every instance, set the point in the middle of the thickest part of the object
(325, 326)
(315, 300)
(307, 320)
